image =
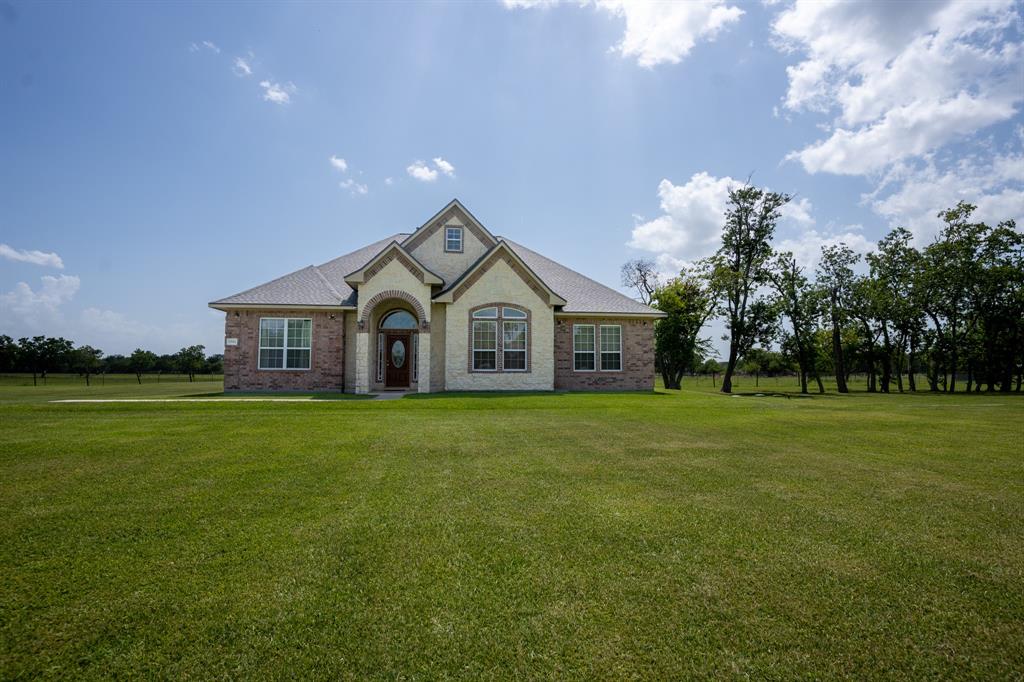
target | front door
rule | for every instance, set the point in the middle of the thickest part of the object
(396, 360)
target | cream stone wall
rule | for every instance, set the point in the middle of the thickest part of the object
(500, 283)
(449, 265)
(350, 352)
(437, 332)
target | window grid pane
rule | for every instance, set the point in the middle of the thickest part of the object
(271, 358)
(453, 239)
(486, 312)
(515, 336)
(583, 345)
(514, 360)
(611, 339)
(300, 333)
(512, 312)
(485, 336)
(272, 333)
(298, 358)
(484, 359)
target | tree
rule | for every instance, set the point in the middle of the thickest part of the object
(895, 265)
(835, 276)
(950, 276)
(30, 355)
(8, 354)
(688, 303)
(739, 268)
(190, 360)
(214, 364)
(54, 353)
(799, 302)
(641, 274)
(87, 361)
(142, 361)
(713, 367)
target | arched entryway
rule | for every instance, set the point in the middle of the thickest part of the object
(397, 339)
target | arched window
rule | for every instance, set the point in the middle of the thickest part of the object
(398, 319)
(489, 344)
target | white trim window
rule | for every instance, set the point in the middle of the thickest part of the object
(611, 348)
(513, 356)
(485, 345)
(453, 239)
(285, 343)
(583, 348)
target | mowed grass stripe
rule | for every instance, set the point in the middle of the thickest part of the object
(597, 536)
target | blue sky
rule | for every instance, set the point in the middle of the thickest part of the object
(154, 157)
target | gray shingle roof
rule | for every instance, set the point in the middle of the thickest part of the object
(313, 285)
(582, 294)
(324, 285)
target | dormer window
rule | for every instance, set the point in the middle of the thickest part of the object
(453, 239)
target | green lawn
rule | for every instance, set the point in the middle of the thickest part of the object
(558, 536)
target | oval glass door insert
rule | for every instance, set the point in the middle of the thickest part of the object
(398, 353)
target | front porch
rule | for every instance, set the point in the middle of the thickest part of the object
(392, 345)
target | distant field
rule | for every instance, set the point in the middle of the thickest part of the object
(666, 535)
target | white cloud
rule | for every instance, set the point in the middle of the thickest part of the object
(444, 166)
(242, 67)
(389, 181)
(806, 247)
(33, 307)
(798, 211)
(903, 78)
(994, 182)
(902, 82)
(691, 224)
(421, 172)
(658, 32)
(339, 163)
(665, 32)
(528, 4)
(206, 44)
(45, 258)
(354, 187)
(277, 93)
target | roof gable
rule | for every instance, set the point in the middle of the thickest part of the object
(454, 209)
(501, 252)
(392, 252)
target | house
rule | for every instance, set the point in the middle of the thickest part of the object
(448, 307)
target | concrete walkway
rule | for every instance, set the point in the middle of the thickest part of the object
(384, 395)
(391, 395)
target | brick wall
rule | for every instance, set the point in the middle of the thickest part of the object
(241, 362)
(637, 372)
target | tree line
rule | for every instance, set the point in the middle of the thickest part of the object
(42, 355)
(950, 310)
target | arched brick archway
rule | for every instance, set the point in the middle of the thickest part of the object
(390, 295)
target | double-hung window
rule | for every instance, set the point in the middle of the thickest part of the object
(514, 345)
(611, 347)
(485, 340)
(583, 347)
(453, 239)
(285, 343)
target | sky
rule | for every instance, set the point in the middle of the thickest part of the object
(158, 156)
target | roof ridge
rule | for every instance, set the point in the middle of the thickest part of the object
(386, 240)
(323, 278)
(575, 272)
